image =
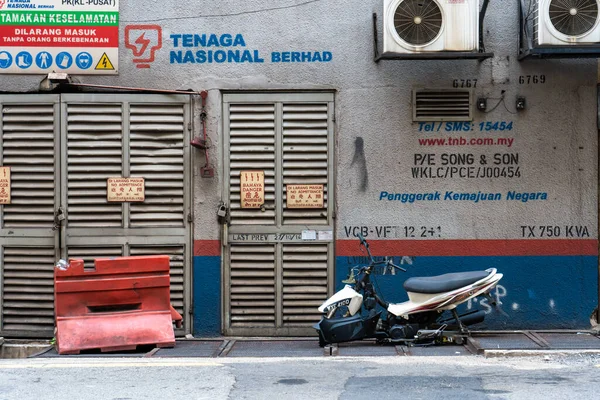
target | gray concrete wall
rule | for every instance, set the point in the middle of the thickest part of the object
(555, 137)
(374, 102)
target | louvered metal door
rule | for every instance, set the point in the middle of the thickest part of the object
(61, 150)
(107, 136)
(275, 278)
(29, 130)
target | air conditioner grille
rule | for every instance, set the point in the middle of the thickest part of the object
(573, 17)
(418, 21)
(442, 105)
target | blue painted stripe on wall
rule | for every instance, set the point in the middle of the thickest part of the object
(207, 296)
(537, 292)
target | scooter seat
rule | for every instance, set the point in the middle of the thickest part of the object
(443, 283)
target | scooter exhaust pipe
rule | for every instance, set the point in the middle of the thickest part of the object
(472, 318)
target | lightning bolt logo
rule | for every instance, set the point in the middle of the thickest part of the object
(2, 3)
(143, 42)
(143, 48)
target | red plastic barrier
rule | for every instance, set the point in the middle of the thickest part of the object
(124, 303)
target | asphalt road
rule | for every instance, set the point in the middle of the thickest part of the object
(465, 377)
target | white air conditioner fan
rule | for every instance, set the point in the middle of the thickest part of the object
(567, 22)
(414, 26)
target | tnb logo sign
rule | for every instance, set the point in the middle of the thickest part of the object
(2, 3)
(143, 41)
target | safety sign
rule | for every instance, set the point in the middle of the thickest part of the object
(125, 189)
(64, 60)
(75, 37)
(24, 60)
(104, 63)
(4, 185)
(252, 189)
(304, 196)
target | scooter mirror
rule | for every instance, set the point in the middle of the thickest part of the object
(351, 278)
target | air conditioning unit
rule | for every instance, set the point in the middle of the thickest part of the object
(567, 22)
(418, 26)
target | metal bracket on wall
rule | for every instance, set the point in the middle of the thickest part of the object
(527, 49)
(437, 55)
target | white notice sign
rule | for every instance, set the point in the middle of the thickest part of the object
(309, 235)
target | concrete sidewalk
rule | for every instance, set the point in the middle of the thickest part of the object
(486, 343)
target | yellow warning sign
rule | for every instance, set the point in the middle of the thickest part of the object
(4, 185)
(105, 63)
(252, 188)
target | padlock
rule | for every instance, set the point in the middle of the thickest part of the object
(222, 211)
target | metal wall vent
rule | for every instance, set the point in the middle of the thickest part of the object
(442, 105)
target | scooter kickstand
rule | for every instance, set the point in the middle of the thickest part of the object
(463, 329)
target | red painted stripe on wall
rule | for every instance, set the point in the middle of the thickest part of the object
(501, 247)
(472, 247)
(207, 248)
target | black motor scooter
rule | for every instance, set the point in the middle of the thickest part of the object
(353, 313)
